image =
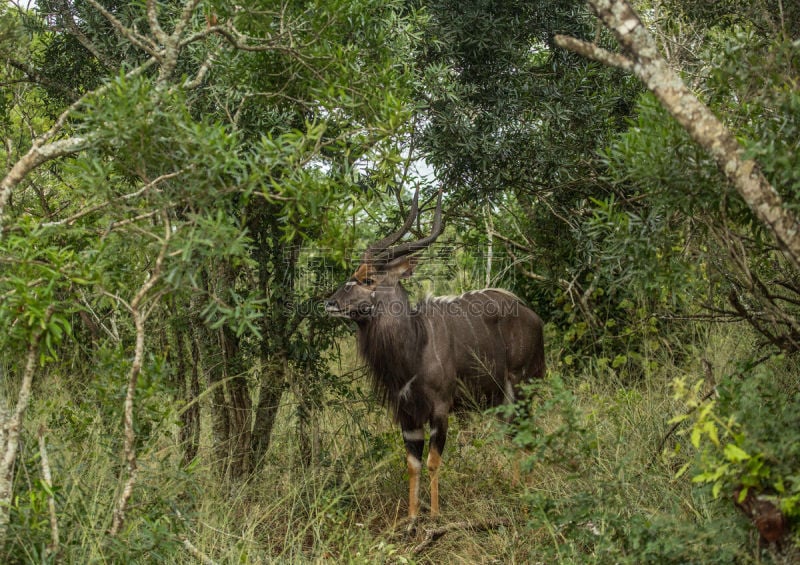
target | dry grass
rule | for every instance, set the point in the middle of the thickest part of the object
(351, 506)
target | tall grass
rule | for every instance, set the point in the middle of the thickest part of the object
(591, 486)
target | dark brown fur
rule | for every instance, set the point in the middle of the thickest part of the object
(482, 339)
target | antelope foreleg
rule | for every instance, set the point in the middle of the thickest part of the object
(415, 442)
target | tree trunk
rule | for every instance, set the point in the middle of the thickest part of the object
(307, 430)
(277, 260)
(218, 353)
(190, 418)
(307, 389)
(184, 356)
(239, 406)
(207, 359)
(273, 383)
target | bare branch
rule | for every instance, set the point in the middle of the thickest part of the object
(115, 297)
(142, 42)
(36, 77)
(186, 15)
(594, 52)
(571, 289)
(234, 38)
(128, 221)
(62, 119)
(201, 74)
(41, 151)
(47, 479)
(35, 156)
(190, 547)
(12, 425)
(196, 553)
(97, 207)
(112, 331)
(72, 26)
(139, 317)
(152, 19)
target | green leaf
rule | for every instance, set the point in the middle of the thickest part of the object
(678, 419)
(735, 454)
(711, 429)
(743, 494)
(695, 437)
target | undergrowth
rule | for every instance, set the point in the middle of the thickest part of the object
(589, 471)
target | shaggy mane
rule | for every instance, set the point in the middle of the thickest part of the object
(386, 343)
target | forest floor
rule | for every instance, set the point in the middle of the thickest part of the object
(595, 481)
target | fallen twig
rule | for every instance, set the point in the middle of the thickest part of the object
(432, 535)
(190, 547)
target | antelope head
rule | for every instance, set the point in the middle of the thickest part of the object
(375, 283)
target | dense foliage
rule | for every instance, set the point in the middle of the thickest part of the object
(187, 181)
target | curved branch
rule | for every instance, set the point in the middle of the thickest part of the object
(36, 77)
(36, 155)
(239, 42)
(152, 19)
(11, 425)
(694, 116)
(139, 316)
(41, 151)
(94, 208)
(186, 15)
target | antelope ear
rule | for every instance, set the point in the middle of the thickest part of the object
(402, 267)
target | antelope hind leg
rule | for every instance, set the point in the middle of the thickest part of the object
(438, 437)
(434, 461)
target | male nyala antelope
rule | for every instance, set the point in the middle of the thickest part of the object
(444, 354)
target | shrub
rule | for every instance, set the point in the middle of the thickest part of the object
(748, 441)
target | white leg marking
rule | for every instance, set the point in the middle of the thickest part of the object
(414, 463)
(414, 435)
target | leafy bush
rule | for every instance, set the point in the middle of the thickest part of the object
(748, 438)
